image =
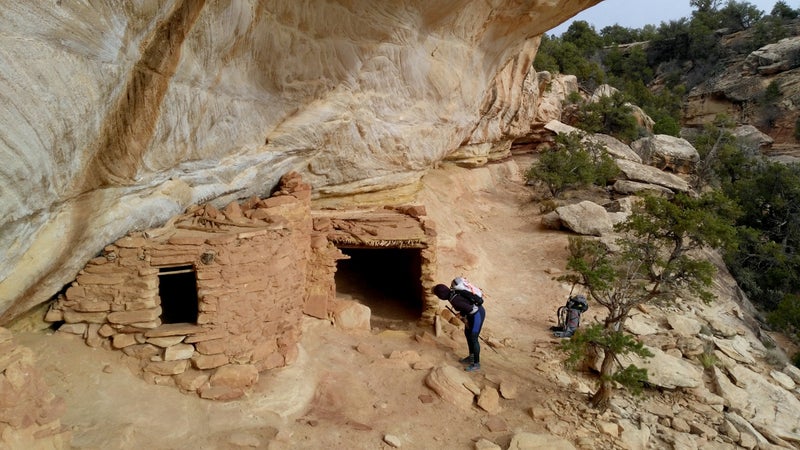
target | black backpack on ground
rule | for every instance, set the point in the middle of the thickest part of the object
(569, 316)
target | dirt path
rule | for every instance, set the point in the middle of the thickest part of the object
(351, 390)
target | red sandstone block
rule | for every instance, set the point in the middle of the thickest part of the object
(262, 350)
(54, 315)
(207, 307)
(234, 376)
(89, 306)
(220, 292)
(131, 242)
(204, 318)
(208, 273)
(277, 201)
(248, 255)
(260, 214)
(233, 211)
(178, 351)
(129, 317)
(71, 316)
(213, 346)
(142, 351)
(215, 285)
(272, 361)
(73, 328)
(133, 263)
(210, 211)
(104, 269)
(252, 287)
(123, 340)
(166, 341)
(251, 234)
(204, 362)
(222, 257)
(188, 240)
(191, 380)
(250, 203)
(303, 196)
(175, 329)
(102, 293)
(75, 293)
(221, 239)
(167, 367)
(129, 253)
(174, 260)
(316, 306)
(206, 336)
(137, 305)
(105, 279)
(99, 260)
(142, 284)
(148, 271)
(173, 249)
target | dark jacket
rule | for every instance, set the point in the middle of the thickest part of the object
(462, 305)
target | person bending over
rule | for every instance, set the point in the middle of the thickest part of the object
(473, 316)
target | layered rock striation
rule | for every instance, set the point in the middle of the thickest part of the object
(119, 115)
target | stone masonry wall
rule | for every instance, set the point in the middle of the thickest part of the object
(251, 262)
(259, 265)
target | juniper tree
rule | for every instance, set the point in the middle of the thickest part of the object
(573, 162)
(655, 261)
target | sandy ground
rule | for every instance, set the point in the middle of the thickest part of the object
(345, 391)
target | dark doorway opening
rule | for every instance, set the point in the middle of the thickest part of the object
(177, 287)
(387, 280)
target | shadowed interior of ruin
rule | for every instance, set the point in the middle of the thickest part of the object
(387, 280)
(177, 287)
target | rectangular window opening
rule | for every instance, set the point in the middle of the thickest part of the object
(177, 288)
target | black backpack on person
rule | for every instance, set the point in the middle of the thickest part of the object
(460, 286)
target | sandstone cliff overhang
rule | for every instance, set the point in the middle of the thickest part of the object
(120, 115)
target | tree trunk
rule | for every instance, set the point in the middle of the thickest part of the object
(601, 398)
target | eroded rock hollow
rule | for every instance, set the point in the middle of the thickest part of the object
(119, 115)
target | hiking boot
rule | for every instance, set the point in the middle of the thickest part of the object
(467, 360)
(473, 367)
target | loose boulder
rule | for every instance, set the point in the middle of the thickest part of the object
(667, 153)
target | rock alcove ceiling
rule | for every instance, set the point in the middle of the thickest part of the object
(120, 115)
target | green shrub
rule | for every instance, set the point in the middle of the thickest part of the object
(786, 316)
(572, 163)
(609, 115)
(708, 360)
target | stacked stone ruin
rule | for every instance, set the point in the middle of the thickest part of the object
(259, 266)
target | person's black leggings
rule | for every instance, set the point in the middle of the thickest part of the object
(472, 331)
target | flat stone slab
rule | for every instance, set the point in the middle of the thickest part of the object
(648, 174)
(174, 329)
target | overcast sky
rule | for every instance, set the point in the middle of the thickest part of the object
(638, 13)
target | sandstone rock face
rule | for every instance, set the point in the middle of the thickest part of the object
(585, 218)
(774, 58)
(119, 115)
(737, 92)
(667, 153)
